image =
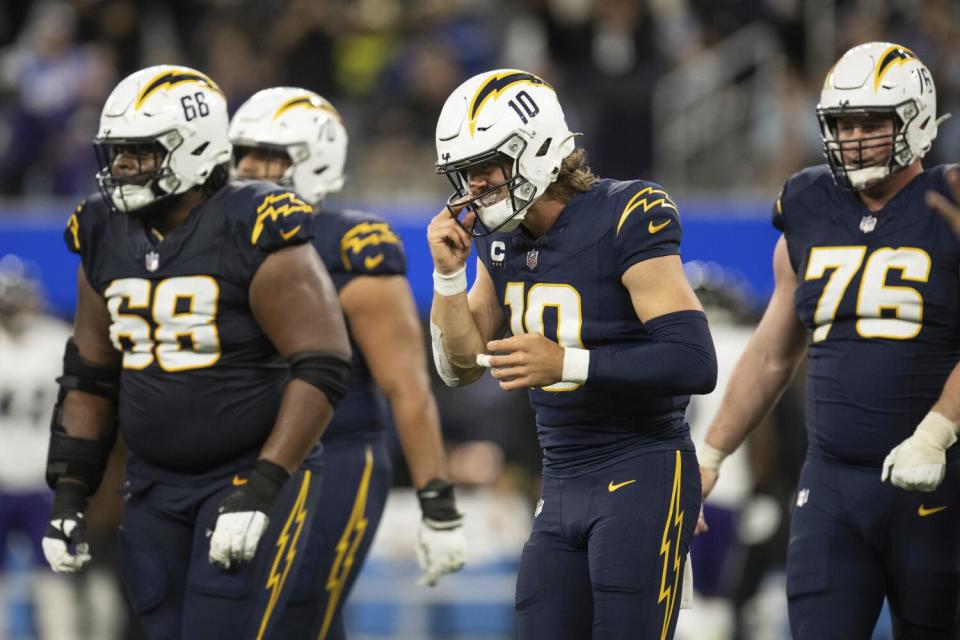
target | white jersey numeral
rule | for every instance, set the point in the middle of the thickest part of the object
(184, 311)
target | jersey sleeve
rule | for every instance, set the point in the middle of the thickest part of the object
(372, 249)
(84, 234)
(777, 212)
(71, 235)
(282, 220)
(648, 226)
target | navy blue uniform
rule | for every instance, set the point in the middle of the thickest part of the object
(200, 389)
(357, 461)
(621, 489)
(878, 293)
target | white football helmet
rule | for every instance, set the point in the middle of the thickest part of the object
(504, 115)
(178, 112)
(879, 78)
(302, 125)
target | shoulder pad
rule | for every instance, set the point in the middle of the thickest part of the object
(282, 219)
(644, 202)
(83, 222)
(371, 247)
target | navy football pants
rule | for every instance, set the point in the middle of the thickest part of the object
(355, 487)
(175, 590)
(605, 557)
(854, 540)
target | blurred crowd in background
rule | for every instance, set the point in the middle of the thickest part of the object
(624, 69)
(713, 98)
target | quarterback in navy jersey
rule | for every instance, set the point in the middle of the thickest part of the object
(297, 138)
(867, 283)
(208, 331)
(584, 277)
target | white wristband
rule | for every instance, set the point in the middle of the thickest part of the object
(450, 284)
(576, 365)
(711, 457)
(938, 429)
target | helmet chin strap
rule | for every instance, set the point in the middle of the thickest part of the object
(862, 178)
(500, 214)
(131, 197)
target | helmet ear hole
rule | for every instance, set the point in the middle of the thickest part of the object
(542, 151)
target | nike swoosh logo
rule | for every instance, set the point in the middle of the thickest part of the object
(372, 262)
(613, 486)
(653, 228)
(238, 481)
(291, 233)
(923, 512)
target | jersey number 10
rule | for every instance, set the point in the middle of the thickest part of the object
(526, 316)
(184, 312)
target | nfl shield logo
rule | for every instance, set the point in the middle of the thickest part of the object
(532, 256)
(152, 261)
(868, 224)
(539, 508)
(802, 497)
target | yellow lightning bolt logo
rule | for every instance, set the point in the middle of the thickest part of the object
(364, 235)
(892, 55)
(347, 546)
(168, 79)
(640, 199)
(286, 551)
(311, 101)
(274, 207)
(668, 591)
(493, 87)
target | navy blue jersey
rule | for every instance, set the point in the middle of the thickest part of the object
(566, 285)
(352, 244)
(201, 383)
(878, 293)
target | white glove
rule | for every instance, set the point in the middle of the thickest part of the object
(60, 534)
(243, 514)
(441, 547)
(235, 537)
(919, 462)
(686, 596)
(440, 550)
(67, 528)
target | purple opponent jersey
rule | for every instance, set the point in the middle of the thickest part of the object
(567, 286)
(878, 294)
(352, 244)
(201, 383)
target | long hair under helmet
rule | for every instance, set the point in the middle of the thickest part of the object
(509, 117)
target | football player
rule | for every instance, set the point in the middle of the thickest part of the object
(209, 332)
(866, 288)
(296, 138)
(580, 297)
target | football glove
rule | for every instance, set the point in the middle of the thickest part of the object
(441, 547)
(67, 529)
(243, 515)
(920, 461)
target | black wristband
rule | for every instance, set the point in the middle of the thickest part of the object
(259, 493)
(69, 499)
(437, 501)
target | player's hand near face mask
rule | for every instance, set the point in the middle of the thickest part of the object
(449, 243)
